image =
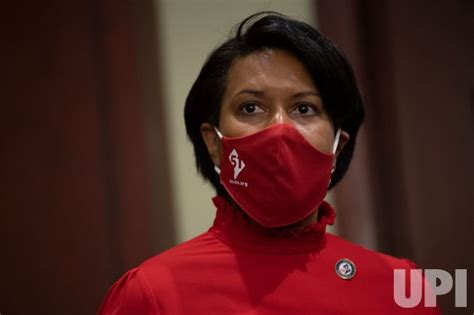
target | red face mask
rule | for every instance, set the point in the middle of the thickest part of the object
(275, 175)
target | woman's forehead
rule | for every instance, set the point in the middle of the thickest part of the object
(267, 69)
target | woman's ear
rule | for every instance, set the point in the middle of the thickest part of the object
(343, 138)
(212, 141)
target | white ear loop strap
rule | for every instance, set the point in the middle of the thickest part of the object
(217, 169)
(336, 141)
(219, 134)
(334, 148)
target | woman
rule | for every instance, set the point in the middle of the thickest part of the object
(273, 118)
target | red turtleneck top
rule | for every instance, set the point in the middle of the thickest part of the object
(239, 267)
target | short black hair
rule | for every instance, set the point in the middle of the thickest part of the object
(328, 68)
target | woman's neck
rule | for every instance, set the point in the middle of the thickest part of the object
(292, 227)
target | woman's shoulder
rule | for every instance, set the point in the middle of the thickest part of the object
(201, 246)
(135, 291)
(340, 246)
(129, 295)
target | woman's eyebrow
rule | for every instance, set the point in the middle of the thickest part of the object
(260, 93)
(306, 93)
(250, 91)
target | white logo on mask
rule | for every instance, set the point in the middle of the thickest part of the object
(236, 162)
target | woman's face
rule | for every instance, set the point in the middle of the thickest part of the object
(266, 88)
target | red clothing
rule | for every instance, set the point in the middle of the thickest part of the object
(238, 267)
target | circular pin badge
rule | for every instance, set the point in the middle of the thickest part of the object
(345, 268)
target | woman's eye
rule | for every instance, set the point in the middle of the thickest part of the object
(305, 109)
(250, 108)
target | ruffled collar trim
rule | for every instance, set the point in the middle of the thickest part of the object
(236, 229)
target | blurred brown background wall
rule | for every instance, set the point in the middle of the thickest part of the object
(413, 169)
(79, 105)
(85, 191)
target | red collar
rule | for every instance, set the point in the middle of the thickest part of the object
(236, 229)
